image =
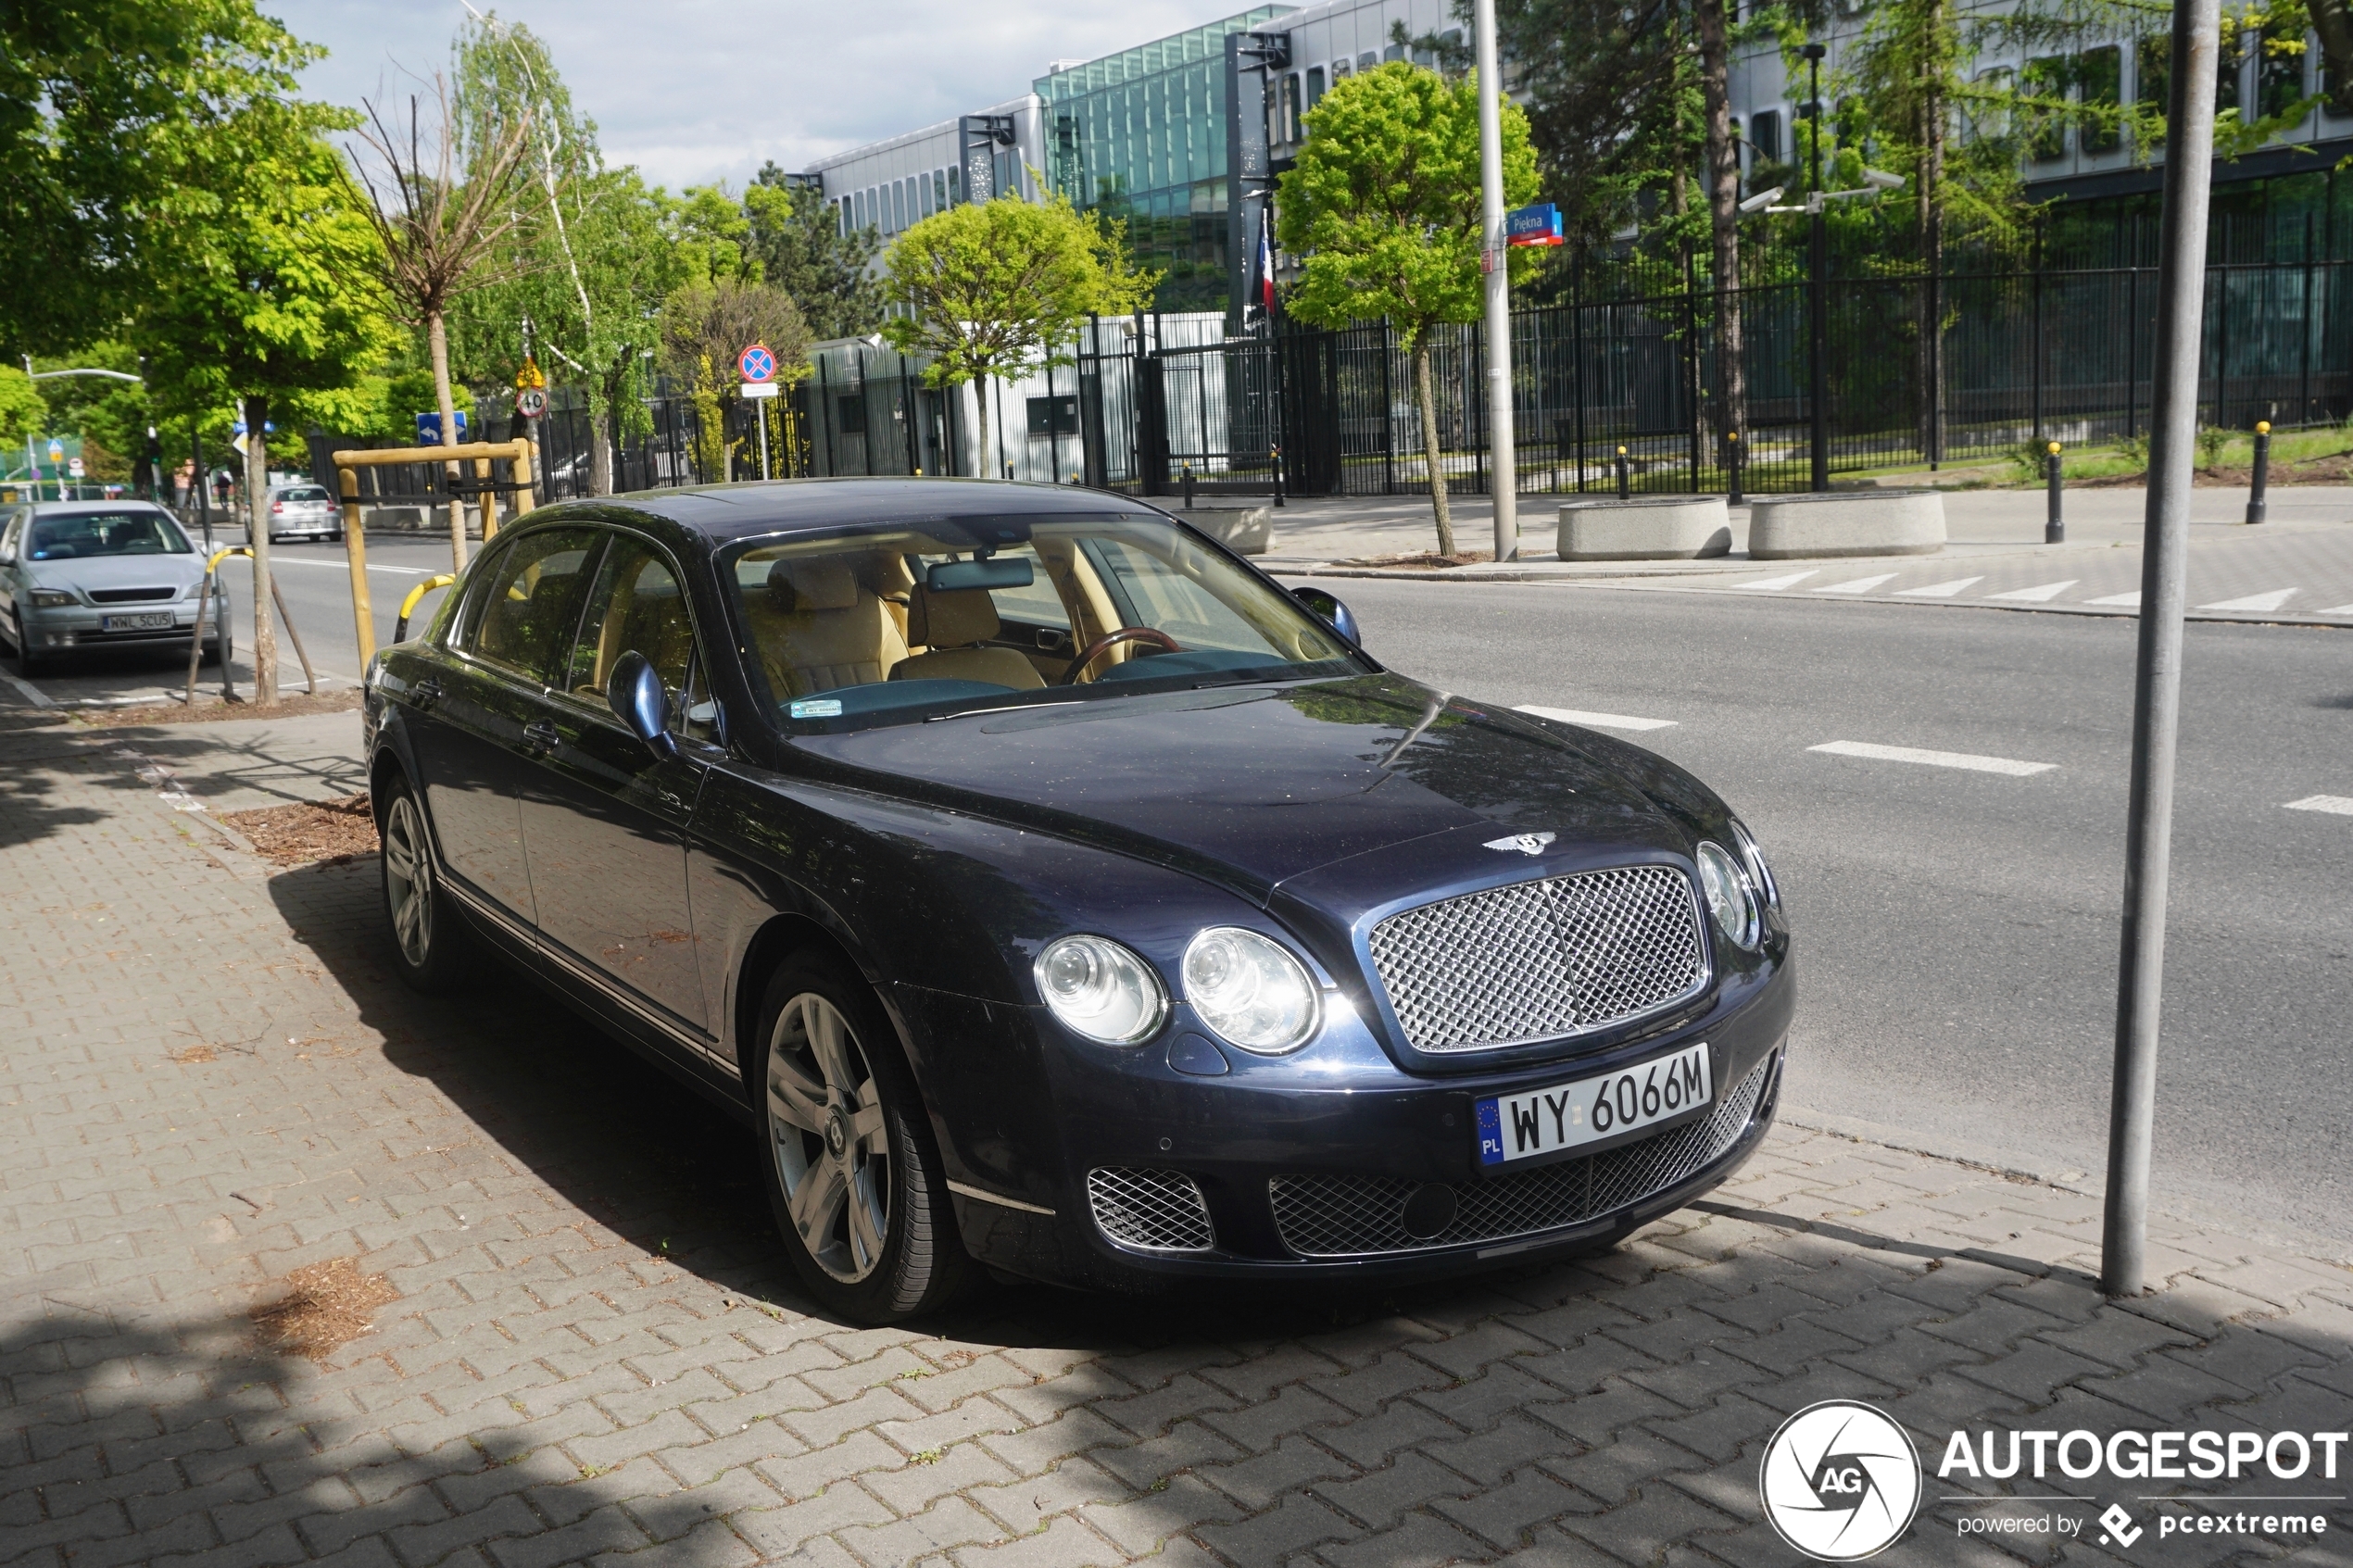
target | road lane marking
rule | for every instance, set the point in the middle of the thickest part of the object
(32, 694)
(2336, 805)
(1933, 758)
(1861, 584)
(1595, 720)
(345, 566)
(1938, 590)
(2042, 592)
(1794, 577)
(2341, 610)
(2129, 601)
(2272, 600)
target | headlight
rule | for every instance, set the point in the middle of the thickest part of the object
(51, 599)
(1756, 866)
(1101, 989)
(1727, 899)
(1250, 990)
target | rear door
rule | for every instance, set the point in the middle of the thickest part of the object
(471, 717)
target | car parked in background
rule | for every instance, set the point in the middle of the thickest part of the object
(1053, 891)
(303, 511)
(78, 576)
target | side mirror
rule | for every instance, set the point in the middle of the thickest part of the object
(1332, 610)
(635, 695)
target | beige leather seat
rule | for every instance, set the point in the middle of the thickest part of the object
(819, 628)
(954, 625)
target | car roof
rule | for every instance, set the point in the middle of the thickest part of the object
(720, 512)
(68, 509)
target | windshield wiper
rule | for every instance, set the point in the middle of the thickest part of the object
(1003, 707)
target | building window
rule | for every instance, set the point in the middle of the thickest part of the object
(955, 185)
(2045, 124)
(1290, 108)
(1053, 416)
(1765, 136)
(1369, 60)
(1341, 71)
(1394, 51)
(2101, 72)
(1315, 89)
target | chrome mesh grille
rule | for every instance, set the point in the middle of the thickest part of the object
(1162, 1209)
(1544, 959)
(1351, 1216)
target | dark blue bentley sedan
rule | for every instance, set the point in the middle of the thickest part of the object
(1055, 893)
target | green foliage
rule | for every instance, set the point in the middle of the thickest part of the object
(803, 251)
(1383, 204)
(2210, 442)
(710, 230)
(23, 412)
(112, 114)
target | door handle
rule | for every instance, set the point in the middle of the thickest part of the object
(425, 693)
(541, 735)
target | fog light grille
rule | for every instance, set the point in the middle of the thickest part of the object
(1351, 1216)
(1541, 961)
(1159, 1209)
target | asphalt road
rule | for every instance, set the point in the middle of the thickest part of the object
(1957, 930)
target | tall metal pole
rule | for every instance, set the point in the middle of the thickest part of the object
(1817, 371)
(1503, 483)
(2156, 688)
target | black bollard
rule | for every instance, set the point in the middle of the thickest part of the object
(2055, 518)
(1732, 468)
(2255, 502)
(1188, 487)
(1276, 453)
(1625, 476)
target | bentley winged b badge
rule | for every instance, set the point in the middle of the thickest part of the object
(1526, 843)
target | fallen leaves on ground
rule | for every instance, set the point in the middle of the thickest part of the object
(308, 831)
(325, 1306)
(210, 707)
(1423, 561)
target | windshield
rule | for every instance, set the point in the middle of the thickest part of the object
(302, 493)
(897, 623)
(80, 535)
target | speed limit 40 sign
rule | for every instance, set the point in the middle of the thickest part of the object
(531, 402)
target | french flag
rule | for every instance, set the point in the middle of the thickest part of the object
(1265, 267)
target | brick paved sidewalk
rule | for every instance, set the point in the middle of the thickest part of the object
(211, 1079)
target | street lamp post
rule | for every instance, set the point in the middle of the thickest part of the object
(1503, 478)
(1817, 264)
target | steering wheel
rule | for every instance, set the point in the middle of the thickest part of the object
(1109, 640)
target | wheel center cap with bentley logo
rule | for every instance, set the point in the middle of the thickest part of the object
(1526, 843)
(836, 1135)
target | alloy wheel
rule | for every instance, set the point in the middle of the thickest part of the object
(833, 1154)
(409, 881)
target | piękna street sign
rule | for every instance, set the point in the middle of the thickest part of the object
(1537, 225)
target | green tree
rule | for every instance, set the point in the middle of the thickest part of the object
(1384, 206)
(711, 230)
(587, 276)
(998, 289)
(803, 250)
(704, 327)
(110, 111)
(252, 303)
(24, 414)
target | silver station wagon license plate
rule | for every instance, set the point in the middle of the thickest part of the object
(160, 621)
(1547, 1120)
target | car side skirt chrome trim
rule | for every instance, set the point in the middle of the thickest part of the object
(963, 1190)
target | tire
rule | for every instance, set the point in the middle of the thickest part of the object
(854, 1175)
(432, 948)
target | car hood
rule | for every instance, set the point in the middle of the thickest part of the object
(117, 571)
(1254, 785)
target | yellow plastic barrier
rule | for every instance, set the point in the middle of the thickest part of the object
(409, 604)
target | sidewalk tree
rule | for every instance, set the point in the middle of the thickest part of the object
(584, 276)
(1383, 209)
(24, 414)
(439, 224)
(996, 289)
(116, 111)
(251, 305)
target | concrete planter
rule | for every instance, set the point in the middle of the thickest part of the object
(1861, 522)
(1645, 528)
(1244, 530)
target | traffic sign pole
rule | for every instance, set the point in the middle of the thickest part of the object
(1504, 470)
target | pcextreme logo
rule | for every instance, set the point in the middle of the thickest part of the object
(1840, 1481)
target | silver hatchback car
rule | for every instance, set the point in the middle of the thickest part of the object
(303, 511)
(76, 575)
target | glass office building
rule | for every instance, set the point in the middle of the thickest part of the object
(1140, 135)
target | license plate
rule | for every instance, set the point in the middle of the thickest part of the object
(1545, 1120)
(157, 623)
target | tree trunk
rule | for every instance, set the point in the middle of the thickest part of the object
(1429, 443)
(265, 633)
(437, 335)
(986, 468)
(1932, 221)
(604, 396)
(1723, 210)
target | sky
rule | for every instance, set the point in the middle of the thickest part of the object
(692, 91)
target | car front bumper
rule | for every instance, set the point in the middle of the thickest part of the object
(66, 628)
(1149, 1176)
